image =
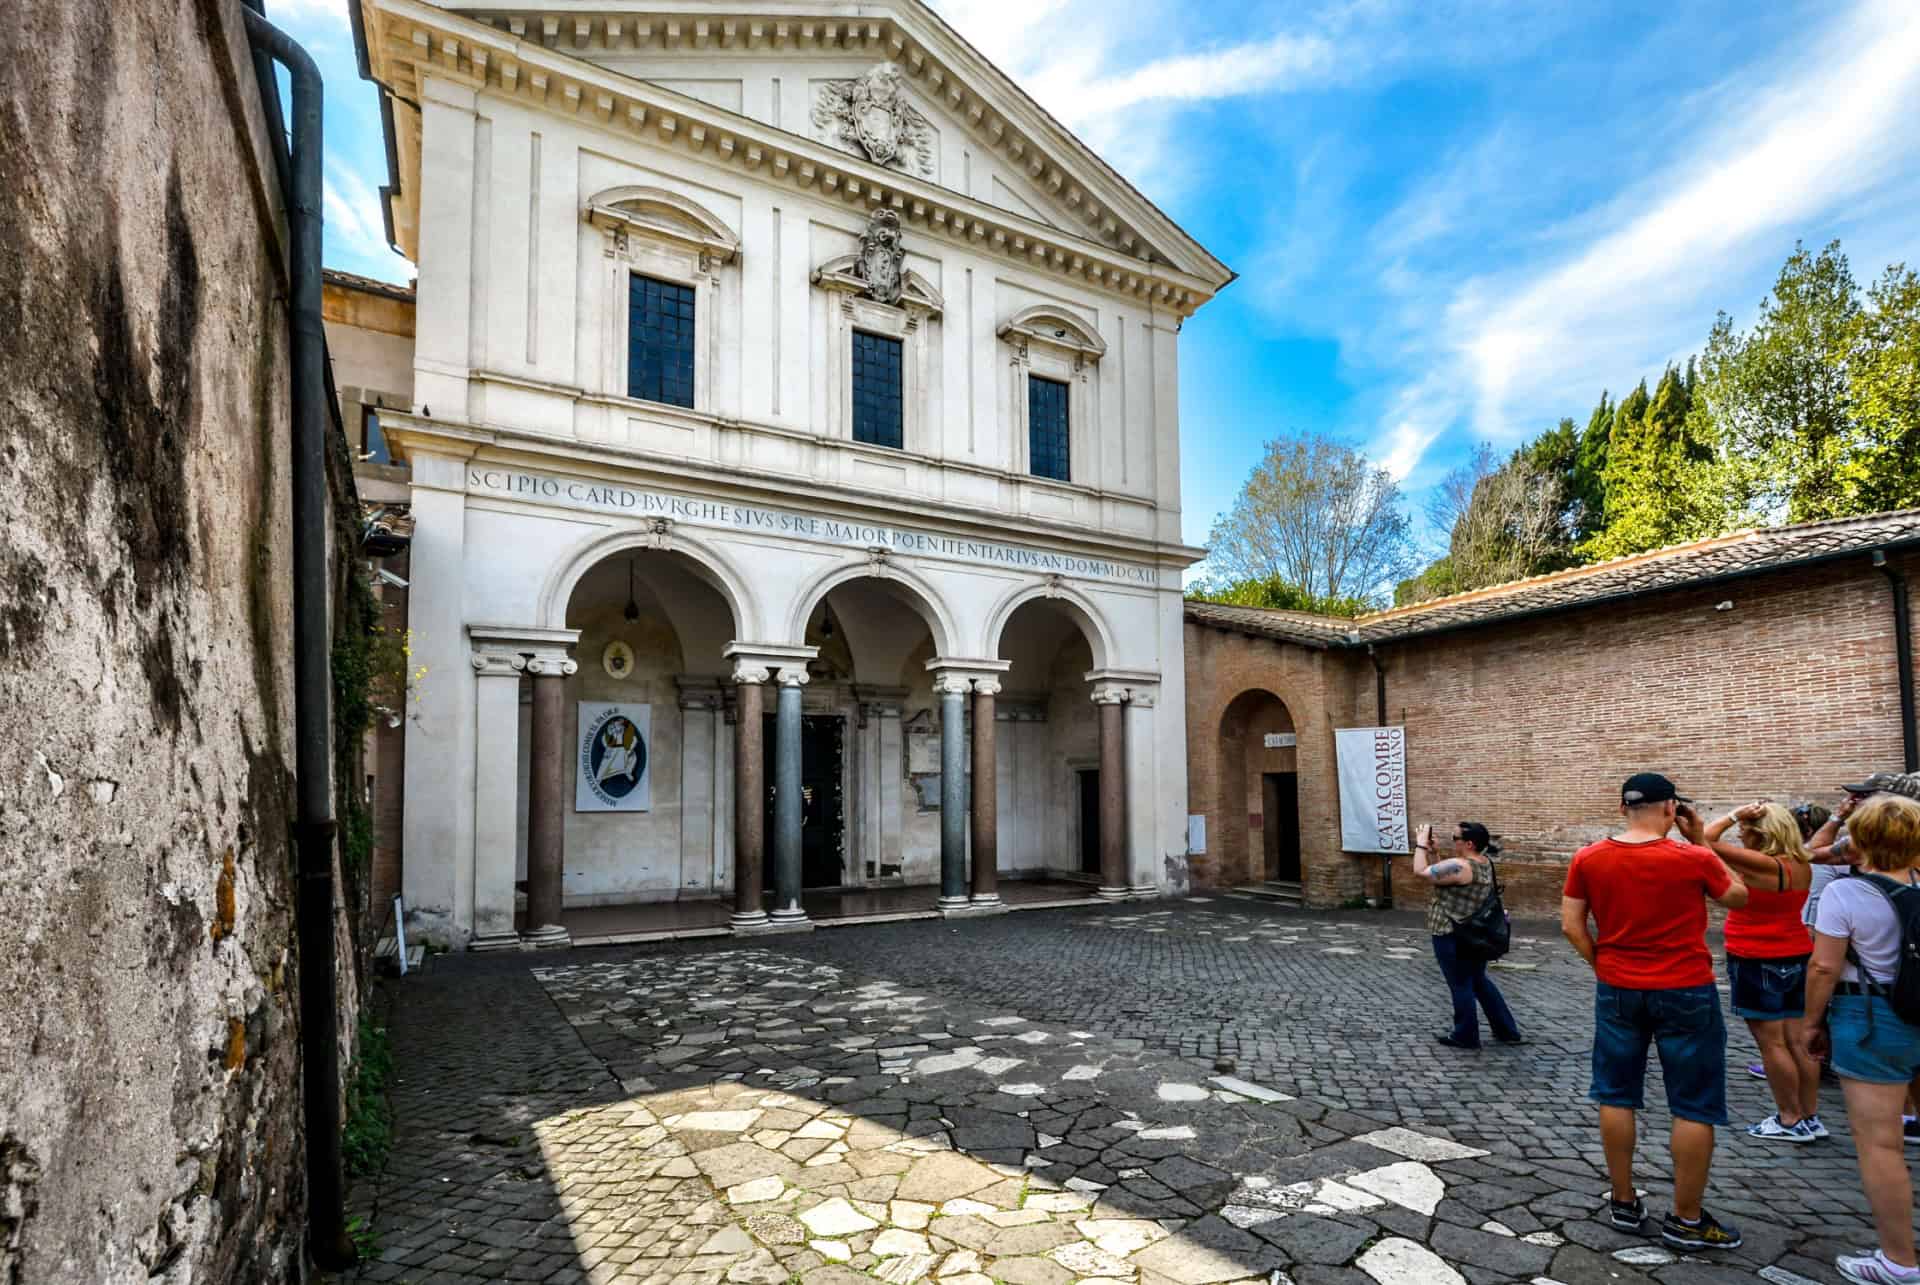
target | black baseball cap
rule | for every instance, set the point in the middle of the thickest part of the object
(1875, 784)
(1649, 787)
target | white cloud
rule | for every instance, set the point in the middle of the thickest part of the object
(355, 228)
(315, 11)
(1792, 147)
(1834, 127)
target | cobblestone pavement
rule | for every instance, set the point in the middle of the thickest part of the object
(1039, 1099)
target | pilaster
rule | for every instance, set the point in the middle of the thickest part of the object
(496, 758)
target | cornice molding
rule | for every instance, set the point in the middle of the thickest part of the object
(412, 42)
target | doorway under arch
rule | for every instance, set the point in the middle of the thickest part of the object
(1259, 795)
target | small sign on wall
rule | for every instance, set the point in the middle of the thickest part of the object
(1280, 740)
(1196, 834)
(615, 764)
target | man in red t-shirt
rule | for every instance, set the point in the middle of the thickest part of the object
(1647, 896)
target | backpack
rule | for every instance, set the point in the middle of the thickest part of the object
(1488, 932)
(1903, 992)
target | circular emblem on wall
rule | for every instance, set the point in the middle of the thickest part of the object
(617, 659)
(617, 759)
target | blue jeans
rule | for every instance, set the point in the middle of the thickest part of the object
(1685, 1025)
(1468, 981)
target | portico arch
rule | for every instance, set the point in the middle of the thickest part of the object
(1071, 602)
(904, 586)
(696, 555)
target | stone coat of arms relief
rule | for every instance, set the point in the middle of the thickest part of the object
(871, 117)
(883, 258)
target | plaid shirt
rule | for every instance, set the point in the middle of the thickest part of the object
(1453, 903)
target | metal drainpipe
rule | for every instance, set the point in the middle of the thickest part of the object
(1903, 656)
(1380, 720)
(313, 826)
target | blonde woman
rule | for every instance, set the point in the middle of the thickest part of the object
(1768, 946)
(1857, 947)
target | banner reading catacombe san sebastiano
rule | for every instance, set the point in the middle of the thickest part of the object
(1373, 788)
(615, 764)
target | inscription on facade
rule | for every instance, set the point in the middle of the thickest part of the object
(608, 497)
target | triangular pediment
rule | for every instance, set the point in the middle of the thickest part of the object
(893, 87)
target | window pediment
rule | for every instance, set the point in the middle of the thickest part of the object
(658, 214)
(1055, 328)
(843, 273)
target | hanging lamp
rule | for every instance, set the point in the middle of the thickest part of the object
(633, 607)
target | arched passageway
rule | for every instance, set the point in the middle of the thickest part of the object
(1259, 797)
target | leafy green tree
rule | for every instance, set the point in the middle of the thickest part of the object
(1317, 514)
(1586, 487)
(1662, 481)
(1274, 593)
(1779, 395)
(1883, 391)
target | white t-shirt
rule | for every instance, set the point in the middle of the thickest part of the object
(1855, 909)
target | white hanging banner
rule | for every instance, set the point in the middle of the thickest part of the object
(614, 772)
(1373, 788)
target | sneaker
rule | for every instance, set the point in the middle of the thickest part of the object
(1757, 1070)
(1875, 1269)
(1813, 1126)
(1705, 1234)
(1631, 1217)
(1771, 1130)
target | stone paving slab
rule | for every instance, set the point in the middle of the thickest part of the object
(1035, 1100)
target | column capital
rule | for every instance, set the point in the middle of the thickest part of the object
(795, 676)
(492, 663)
(1143, 697)
(1109, 694)
(986, 687)
(951, 683)
(749, 673)
(552, 664)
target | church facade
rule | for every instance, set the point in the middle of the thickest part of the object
(793, 461)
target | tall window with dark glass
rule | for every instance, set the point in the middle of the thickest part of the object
(660, 341)
(877, 391)
(1048, 428)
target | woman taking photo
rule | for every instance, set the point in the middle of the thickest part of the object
(1461, 885)
(1875, 1052)
(1767, 950)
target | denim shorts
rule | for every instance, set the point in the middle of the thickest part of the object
(1685, 1025)
(1768, 990)
(1870, 1042)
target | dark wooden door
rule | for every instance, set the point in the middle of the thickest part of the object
(822, 798)
(1090, 821)
(1280, 793)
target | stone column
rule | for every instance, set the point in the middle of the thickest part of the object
(700, 765)
(546, 804)
(749, 798)
(952, 688)
(787, 815)
(1113, 791)
(1143, 792)
(986, 798)
(496, 767)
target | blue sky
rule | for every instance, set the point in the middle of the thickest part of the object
(1453, 222)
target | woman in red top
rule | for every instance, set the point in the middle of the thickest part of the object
(1767, 950)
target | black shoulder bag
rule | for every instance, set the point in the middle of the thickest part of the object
(1487, 933)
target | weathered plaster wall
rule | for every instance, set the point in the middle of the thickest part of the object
(149, 1108)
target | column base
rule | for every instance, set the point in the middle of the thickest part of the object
(787, 919)
(482, 943)
(747, 920)
(551, 937)
(974, 909)
(1113, 894)
(1144, 892)
(948, 902)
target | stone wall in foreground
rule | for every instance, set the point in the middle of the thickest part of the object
(149, 1104)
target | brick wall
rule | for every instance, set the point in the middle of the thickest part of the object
(1530, 727)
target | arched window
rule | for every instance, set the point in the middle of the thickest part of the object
(664, 255)
(1051, 399)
